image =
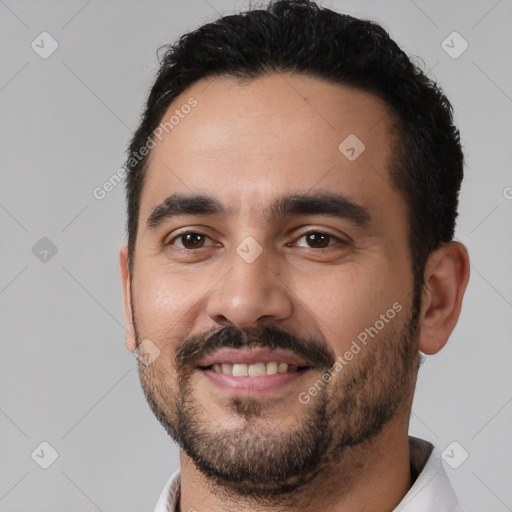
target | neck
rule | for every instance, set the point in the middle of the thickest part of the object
(373, 477)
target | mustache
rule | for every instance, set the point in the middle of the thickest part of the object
(314, 350)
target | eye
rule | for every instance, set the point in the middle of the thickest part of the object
(320, 240)
(190, 240)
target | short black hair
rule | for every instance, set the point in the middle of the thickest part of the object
(299, 36)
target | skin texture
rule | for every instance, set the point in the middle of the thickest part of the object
(245, 145)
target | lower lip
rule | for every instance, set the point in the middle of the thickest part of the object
(253, 385)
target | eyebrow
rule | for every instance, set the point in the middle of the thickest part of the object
(332, 205)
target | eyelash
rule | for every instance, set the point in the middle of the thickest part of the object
(317, 232)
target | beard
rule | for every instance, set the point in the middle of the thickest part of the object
(259, 460)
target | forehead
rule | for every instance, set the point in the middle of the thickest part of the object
(247, 143)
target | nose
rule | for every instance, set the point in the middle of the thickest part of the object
(250, 294)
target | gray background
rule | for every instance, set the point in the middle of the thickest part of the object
(65, 375)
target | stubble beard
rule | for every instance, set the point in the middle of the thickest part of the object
(259, 461)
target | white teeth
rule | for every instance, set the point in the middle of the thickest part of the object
(253, 370)
(227, 368)
(240, 370)
(257, 369)
(272, 368)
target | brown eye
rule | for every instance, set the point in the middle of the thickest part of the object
(320, 240)
(190, 240)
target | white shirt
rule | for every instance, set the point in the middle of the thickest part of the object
(430, 492)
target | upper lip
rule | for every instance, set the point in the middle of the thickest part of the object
(251, 356)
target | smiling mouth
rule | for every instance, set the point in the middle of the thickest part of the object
(258, 369)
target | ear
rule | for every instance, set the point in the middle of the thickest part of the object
(130, 337)
(446, 277)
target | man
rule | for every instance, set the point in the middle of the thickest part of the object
(292, 196)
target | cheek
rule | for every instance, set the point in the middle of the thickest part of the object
(161, 303)
(349, 299)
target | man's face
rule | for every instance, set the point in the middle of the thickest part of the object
(307, 283)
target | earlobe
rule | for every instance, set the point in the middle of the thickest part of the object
(130, 337)
(446, 278)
